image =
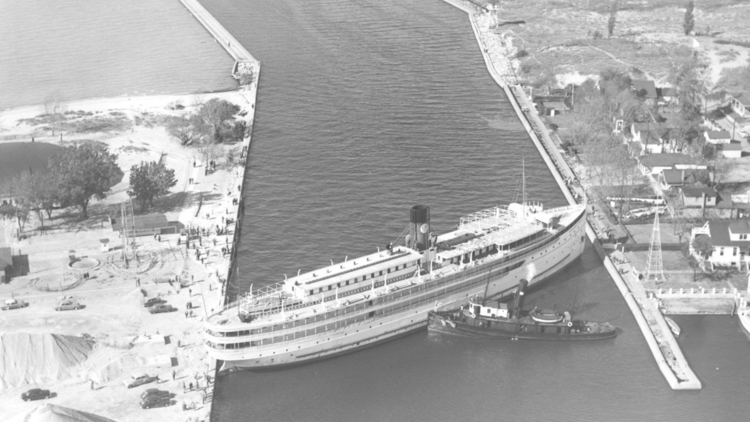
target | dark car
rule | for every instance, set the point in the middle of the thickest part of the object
(14, 304)
(152, 393)
(139, 379)
(36, 394)
(157, 309)
(161, 402)
(153, 301)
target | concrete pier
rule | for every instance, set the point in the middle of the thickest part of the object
(659, 338)
(244, 59)
(220, 34)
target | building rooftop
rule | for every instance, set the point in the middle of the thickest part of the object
(648, 86)
(699, 192)
(743, 98)
(143, 222)
(720, 234)
(674, 177)
(666, 160)
(557, 105)
(718, 134)
(739, 227)
(734, 146)
(6, 258)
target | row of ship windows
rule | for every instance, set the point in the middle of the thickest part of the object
(359, 318)
(335, 313)
(360, 279)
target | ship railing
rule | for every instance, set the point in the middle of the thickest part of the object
(562, 210)
(439, 286)
(486, 219)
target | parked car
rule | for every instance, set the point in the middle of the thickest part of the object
(68, 305)
(153, 301)
(139, 379)
(157, 309)
(36, 394)
(14, 304)
(162, 402)
(153, 399)
(154, 392)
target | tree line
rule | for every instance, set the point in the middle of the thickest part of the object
(76, 176)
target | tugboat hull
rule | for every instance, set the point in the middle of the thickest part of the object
(521, 329)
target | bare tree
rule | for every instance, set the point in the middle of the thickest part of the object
(612, 19)
(689, 23)
(54, 107)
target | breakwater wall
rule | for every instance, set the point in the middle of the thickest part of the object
(220, 34)
(664, 347)
(245, 64)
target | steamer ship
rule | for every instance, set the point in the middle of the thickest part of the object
(378, 297)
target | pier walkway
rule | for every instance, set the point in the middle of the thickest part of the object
(245, 65)
(659, 338)
(220, 34)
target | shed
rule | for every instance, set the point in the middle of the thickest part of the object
(733, 150)
(551, 108)
(144, 225)
(718, 136)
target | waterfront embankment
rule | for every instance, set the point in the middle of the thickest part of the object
(660, 340)
(102, 346)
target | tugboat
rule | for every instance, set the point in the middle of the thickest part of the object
(478, 320)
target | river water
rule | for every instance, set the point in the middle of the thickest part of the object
(366, 108)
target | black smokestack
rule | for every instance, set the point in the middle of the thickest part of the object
(419, 227)
(518, 301)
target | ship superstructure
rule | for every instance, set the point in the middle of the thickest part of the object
(377, 297)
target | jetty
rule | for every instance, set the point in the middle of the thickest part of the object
(644, 307)
(246, 70)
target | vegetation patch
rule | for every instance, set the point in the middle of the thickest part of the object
(98, 124)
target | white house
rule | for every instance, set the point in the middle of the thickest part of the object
(730, 242)
(733, 150)
(718, 136)
(740, 114)
(699, 197)
(653, 137)
(741, 104)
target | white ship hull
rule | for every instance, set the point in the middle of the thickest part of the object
(537, 266)
(744, 316)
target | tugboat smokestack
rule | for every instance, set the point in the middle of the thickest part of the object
(518, 301)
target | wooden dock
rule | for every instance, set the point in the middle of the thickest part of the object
(659, 338)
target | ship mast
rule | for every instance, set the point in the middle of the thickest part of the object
(523, 185)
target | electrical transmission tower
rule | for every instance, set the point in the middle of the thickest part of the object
(654, 268)
(128, 229)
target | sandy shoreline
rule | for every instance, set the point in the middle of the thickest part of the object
(127, 338)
